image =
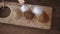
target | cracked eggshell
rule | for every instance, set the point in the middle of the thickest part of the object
(37, 10)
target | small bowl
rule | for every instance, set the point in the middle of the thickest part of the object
(4, 11)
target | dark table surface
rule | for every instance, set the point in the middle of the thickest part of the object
(55, 27)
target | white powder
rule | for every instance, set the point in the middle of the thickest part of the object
(37, 10)
(24, 8)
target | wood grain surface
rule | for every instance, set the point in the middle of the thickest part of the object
(14, 19)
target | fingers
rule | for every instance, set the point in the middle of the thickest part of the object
(21, 1)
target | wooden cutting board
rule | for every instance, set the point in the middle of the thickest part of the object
(16, 16)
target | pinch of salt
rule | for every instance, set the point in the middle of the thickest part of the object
(24, 8)
(37, 10)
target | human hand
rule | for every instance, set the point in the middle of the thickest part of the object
(21, 1)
